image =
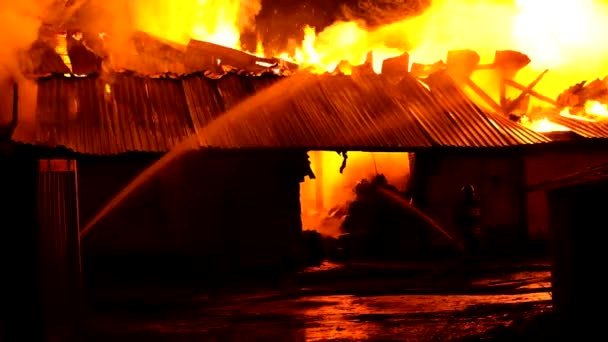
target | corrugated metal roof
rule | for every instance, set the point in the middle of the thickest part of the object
(233, 89)
(598, 173)
(203, 98)
(451, 119)
(366, 112)
(317, 112)
(586, 129)
(90, 116)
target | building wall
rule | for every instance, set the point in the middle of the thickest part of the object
(550, 164)
(21, 317)
(497, 178)
(209, 210)
(576, 220)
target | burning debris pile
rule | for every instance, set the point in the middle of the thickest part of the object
(582, 102)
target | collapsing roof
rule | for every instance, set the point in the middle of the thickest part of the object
(335, 112)
(115, 112)
(148, 56)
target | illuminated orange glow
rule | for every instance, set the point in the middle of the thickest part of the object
(594, 111)
(561, 35)
(332, 189)
(544, 126)
(216, 21)
(61, 48)
(597, 109)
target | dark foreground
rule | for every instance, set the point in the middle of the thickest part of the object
(436, 302)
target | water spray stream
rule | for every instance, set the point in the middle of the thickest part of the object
(406, 205)
(137, 182)
(207, 137)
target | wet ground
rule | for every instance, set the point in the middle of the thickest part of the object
(439, 302)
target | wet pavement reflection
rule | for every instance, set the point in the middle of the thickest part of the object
(273, 316)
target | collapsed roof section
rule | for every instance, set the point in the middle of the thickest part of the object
(79, 55)
(161, 94)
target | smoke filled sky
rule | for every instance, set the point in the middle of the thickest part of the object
(281, 20)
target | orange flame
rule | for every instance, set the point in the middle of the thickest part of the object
(561, 35)
(216, 21)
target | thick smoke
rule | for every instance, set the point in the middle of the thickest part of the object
(19, 25)
(20, 22)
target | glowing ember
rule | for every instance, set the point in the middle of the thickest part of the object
(561, 35)
(544, 126)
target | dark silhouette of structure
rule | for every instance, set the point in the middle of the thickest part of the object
(577, 205)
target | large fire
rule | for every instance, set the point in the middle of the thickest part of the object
(559, 35)
(563, 36)
(216, 21)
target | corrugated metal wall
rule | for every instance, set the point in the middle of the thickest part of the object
(59, 243)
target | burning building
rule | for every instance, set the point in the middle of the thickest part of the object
(116, 114)
(115, 127)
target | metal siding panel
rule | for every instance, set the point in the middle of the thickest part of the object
(59, 232)
(233, 89)
(202, 99)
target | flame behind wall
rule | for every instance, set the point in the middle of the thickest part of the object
(331, 190)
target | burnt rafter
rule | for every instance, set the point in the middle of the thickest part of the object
(461, 64)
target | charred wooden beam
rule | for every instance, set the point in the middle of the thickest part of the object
(367, 67)
(202, 55)
(461, 64)
(539, 96)
(508, 63)
(84, 61)
(423, 70)
(484, 96)
(160, 48)
(580, 93)
(397, 66)
(517, 102)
